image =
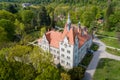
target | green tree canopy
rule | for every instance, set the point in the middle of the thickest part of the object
(27, 63)
(3, 35)
(87, 18)
(6, 15)
(27, 16)
(20, 27)
(8, 27)
(43, 17)
(76, 73)
(14, 70)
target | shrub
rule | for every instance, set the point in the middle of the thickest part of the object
(76, 73)
(94, 47)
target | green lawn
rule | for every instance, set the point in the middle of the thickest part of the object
(107, 69)
(106, 33)
(110, 41)
(113, 51)
(104, 36)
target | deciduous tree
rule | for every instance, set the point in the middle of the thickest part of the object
(8, 27)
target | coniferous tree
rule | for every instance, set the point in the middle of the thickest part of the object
(109, 11)
(43, 17)
(52, 21)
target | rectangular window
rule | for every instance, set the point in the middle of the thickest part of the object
(68, 57)
(68, 51)
(58, 58)
(58, 52)
(62, 61)
(54, 56)
(62, 55)
(68, 64)
(50, 49)
(62, 49)
(54, 51)
(44, 42)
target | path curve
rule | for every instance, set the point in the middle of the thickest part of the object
(100, 53)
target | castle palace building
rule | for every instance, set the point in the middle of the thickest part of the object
(68, 47)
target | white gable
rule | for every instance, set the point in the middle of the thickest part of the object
(65, 40)
(44, 39)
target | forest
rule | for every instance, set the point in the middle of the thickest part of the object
(20, 61)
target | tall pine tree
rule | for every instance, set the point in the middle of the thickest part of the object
(109, 11)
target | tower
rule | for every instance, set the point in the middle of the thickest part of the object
(68, 22)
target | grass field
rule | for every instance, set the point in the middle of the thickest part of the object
(105, 37)
(110, 41)
(106, 33)
(113, 51)
(107, 69)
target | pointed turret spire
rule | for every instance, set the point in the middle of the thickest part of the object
(69, 22)
(79, 24)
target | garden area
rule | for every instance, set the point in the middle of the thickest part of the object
(107, 69)
(86, 60)
(94, 47)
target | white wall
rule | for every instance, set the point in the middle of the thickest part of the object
(44, 44)
(55, 52)
(68, 57)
